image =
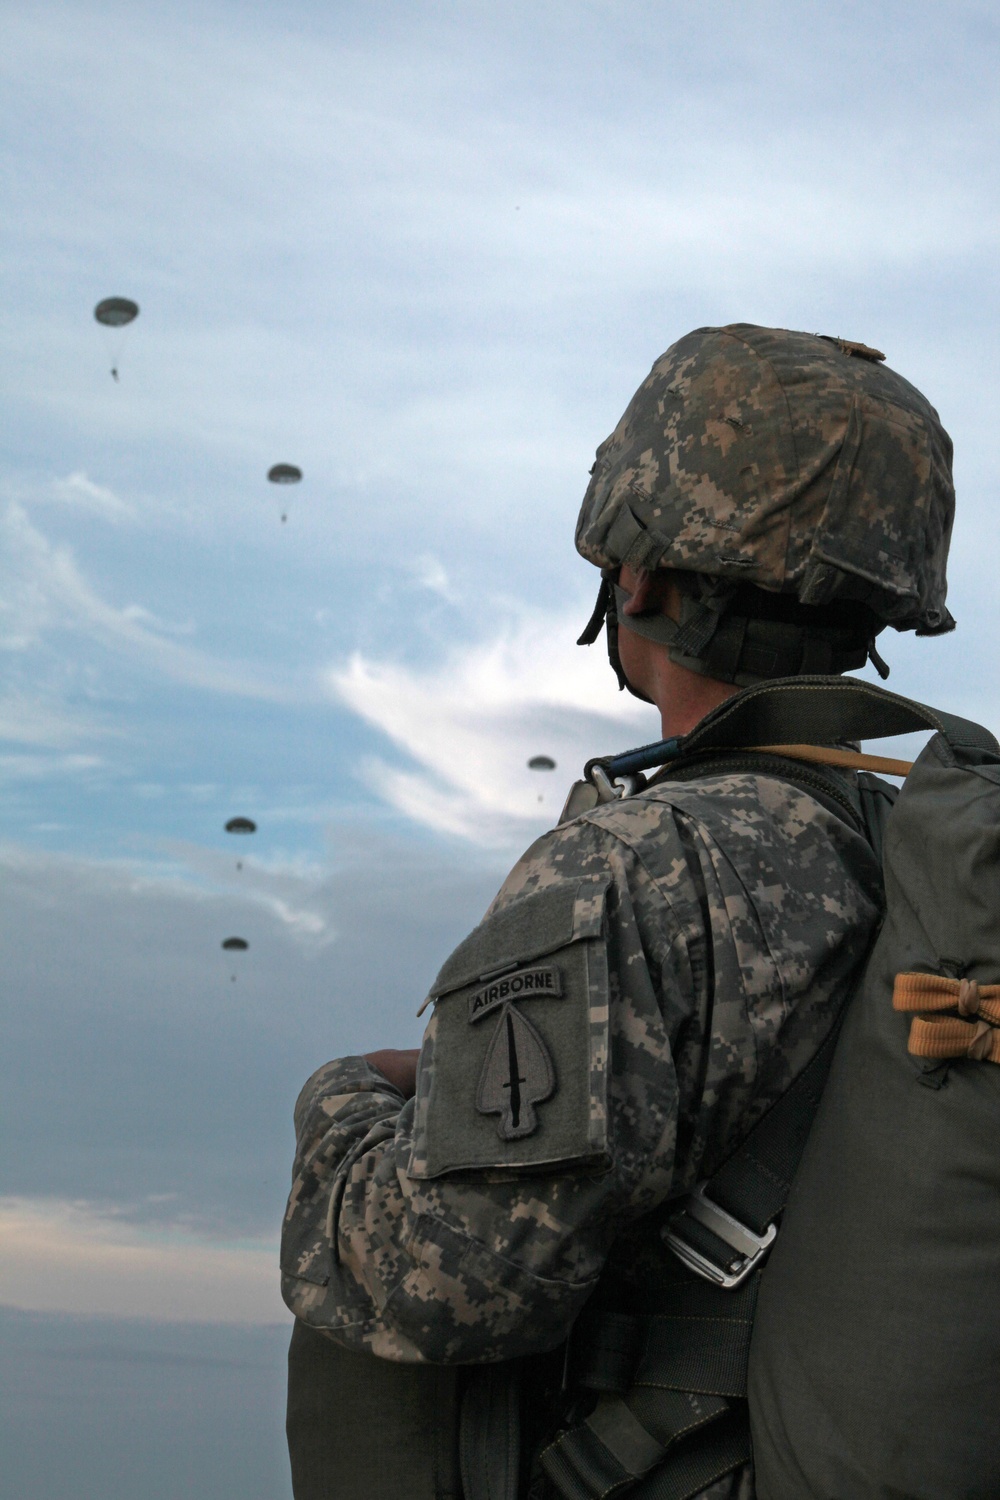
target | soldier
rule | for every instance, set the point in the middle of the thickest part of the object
(655, 971)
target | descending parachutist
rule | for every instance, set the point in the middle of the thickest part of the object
(284, 474)
(116, 313)
(241, 825)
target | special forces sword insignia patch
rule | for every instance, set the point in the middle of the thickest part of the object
(517, 1074)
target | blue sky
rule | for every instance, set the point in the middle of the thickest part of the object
(426, 252)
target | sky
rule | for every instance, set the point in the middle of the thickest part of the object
(426, 252)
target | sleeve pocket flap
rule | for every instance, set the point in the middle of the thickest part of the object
(528, 928)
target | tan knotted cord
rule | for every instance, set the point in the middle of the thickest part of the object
(973, 1028)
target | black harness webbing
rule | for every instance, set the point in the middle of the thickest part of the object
(664, 1378)
(752, 1186)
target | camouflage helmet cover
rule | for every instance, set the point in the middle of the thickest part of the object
(762, 456)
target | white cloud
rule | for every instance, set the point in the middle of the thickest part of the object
(82, 877)
(430, 573)
(139, 615)
(34, 767)
(59, 1256)
(32, 719)
(46, 590)
(472, 722)
(297, 893)
(81, 493)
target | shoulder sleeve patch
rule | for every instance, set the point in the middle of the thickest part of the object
(514, 1067)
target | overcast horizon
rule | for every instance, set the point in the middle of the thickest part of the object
(426, 252)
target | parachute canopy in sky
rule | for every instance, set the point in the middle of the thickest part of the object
(284, 474)
(115, 312)
(235, 945)
(541, 763)
(241, 825)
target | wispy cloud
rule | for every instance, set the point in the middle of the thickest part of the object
(298, 894)
(295, 892)
(139, 615)
(430, 573)
(472, 721)
(28, 718)
(46, 590)
(35, 767)
(58, 1255)
(81, 493)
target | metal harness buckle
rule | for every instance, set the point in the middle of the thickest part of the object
(611, 790)
(750, 1248)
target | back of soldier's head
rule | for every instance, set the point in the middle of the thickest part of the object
(800, 490)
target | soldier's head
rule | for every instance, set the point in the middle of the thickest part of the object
(769, 502)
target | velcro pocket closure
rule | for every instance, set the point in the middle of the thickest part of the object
(514, 1067)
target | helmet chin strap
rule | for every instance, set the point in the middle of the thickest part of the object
(686, 638)
(737, 647)
(605, 613)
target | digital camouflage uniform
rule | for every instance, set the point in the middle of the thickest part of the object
(654, 972)
(702, 935)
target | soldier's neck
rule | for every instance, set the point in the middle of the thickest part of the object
(683, 697)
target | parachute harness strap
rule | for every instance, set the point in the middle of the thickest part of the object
(810, 710)
(606, 613)
(674, 1390)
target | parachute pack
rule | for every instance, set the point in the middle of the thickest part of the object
(875, 1361)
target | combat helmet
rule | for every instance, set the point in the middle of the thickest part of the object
(800, 490)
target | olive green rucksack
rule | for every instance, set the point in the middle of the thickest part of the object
(875, 1361)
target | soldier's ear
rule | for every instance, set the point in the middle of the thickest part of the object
(643, 595)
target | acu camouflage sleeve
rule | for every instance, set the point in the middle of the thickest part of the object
(471, 1223)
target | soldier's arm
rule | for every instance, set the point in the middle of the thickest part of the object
(472, 1222)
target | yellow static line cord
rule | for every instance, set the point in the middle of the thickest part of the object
(852, 760)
